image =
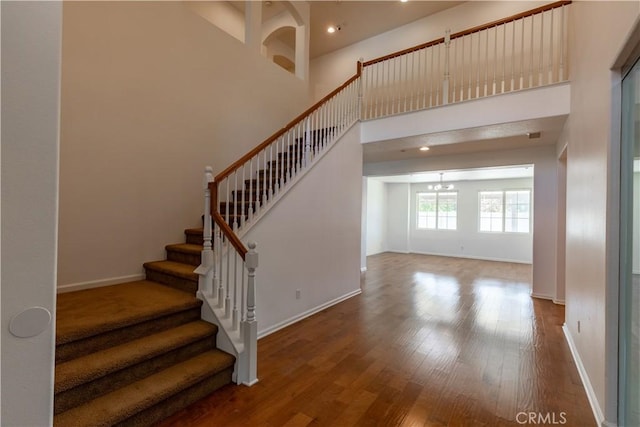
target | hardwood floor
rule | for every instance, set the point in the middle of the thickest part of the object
(432, 341)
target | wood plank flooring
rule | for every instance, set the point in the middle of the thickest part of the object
(432, 341)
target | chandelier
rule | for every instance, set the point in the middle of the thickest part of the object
(441, 186)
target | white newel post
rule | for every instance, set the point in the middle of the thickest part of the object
(445, 83)
(206, 268)
(250, 329)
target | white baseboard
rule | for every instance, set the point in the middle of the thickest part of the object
(558, 301)
(481, 258)
(588, 388)
(305, 314)
(99, 283)
(542, 296)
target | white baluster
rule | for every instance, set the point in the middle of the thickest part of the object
(307, 142)
(227, 299)
(541, 65)
(504, 57)
(513, 56)
(445, 83)
(486, 63)
(245, 207)
(219, 251)
(531, 61)
(521, 83)
(478, 68)
(561, 72)
(234, 313)
(550, 78)
(494, 89)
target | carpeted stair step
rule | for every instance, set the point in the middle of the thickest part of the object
(95, 319)
(174, 274)
(193, 236)
(93, 375)
(185, 253)
(155, 397)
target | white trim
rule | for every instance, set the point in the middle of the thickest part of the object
(470, 257)
(305, 314)
(99, 283)
(394, 251)
(558, 301)
(542, 296)
(363, 269)
(588, 388)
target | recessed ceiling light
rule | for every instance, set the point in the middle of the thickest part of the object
(403, 1)
(331, 29)
(424, 148)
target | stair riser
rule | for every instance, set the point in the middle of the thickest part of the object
(175, 282)
(91, 390)
(95, 343)
(179, 401)
(194, 239)
(237, 207)
(184, 257)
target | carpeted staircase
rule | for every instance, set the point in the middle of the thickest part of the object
(134, 353)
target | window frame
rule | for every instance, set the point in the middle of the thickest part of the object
(437, 213)
(504, 211)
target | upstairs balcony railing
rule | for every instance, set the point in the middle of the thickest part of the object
(523, 51)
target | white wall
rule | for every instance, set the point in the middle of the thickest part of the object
(544, 191)
(151, 93)
(310, 240)
(376, 232)
(467, 241)
(222, 15)
(31, 40)
(331, 70)
(398, 196)
(589, 132)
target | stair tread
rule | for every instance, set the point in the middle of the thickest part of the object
(102, 363)
(118, 405)
(195, 231)
(81, 314)
(187, 248)
(173, 268)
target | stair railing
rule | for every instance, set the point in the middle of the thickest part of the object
(522, 51)
(236, 197)
(239, 325)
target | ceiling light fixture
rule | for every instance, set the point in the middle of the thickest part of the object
(403, 1)
(441, 186)
(334, 28)
(424, 148)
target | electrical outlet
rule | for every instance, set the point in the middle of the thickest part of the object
(298, 293)
(578, 326)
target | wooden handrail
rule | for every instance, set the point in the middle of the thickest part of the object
(228, 171)
(470, 31)
(231, 236)
(511, 18)
(404, 51)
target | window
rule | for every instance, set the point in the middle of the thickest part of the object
(505, 211)
(437, 210)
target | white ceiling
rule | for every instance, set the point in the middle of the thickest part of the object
(358, 19)
(478, 174)
(486, 138)
(361, 19)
